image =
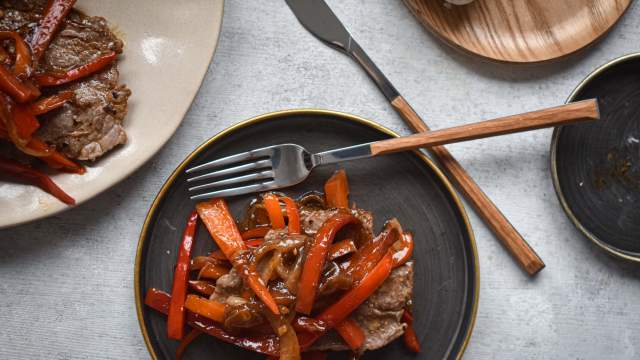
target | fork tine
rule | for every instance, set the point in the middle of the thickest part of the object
(234, 170)
(236, 180)
(236, 191)
(249, 155)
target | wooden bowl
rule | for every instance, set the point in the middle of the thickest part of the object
(520, 31)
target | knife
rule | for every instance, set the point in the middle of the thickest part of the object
(319, 20)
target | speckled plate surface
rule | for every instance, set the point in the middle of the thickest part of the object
(596, 166)
(168, 47)
(406, 186)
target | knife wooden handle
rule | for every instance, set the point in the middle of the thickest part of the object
(501, 227)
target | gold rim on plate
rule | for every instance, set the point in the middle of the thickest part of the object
(554, 165)
(276, 115)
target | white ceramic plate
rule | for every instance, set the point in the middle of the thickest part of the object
(168, 48)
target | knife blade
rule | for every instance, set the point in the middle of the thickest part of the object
(318, 18)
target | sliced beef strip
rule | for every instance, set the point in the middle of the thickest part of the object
(379, 317)
(91, 123)
(312, 220)
(228, 285)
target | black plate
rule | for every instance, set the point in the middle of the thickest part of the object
(405, 186)
(596, 166)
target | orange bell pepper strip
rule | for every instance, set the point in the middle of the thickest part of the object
(410, 337)
(212, 271)
(22, 92)
(23, 64)
(336, 190)
(264, 344)
(34, 177)
(252, 243)
(272, 205)
(191, 336)
(176, 319)
(54, 15)
(403, 249)
(222, 227)
(77, 73)
(203, 287)
(316, 259)
(208, 308)
(339, 311)
(352, 334)
(50, 103)
(258, 232)
(293, 215)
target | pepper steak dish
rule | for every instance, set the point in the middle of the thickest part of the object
(60, 100)
(294, 278)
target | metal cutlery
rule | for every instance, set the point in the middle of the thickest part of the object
(318, 19)
(279, 166)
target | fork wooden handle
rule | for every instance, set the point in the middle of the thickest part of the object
(585, 110)
(488, 211)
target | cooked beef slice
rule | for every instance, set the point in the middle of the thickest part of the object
(312, 220)
(91, 123)
(379, 317)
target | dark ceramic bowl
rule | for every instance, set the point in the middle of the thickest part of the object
(596, 166)
(407, 186)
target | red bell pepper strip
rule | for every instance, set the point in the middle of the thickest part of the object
(293, 215)
(25, 122)
(402, 249)
(370, 253)
(340, 310)
(191, 336)
(410, 337)
(316, 259)
(208, 308)
(222, 227)
(34, 177)
(272, 205)
(50, 103)
(23, 64)
(258, 232)
(203, 287)
(55, 159)
(22, 92)
(267, 344)
(342, 248)
(77, 73)
(336, 190)
(352, 334)
(176, 319)
(54, 15)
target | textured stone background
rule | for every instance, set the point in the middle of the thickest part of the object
(66, 282)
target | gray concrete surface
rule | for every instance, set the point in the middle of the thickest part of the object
(66, 282)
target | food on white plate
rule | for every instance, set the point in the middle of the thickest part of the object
(305, 276)
(60, 98)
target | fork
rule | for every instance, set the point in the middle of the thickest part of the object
(279, 166)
